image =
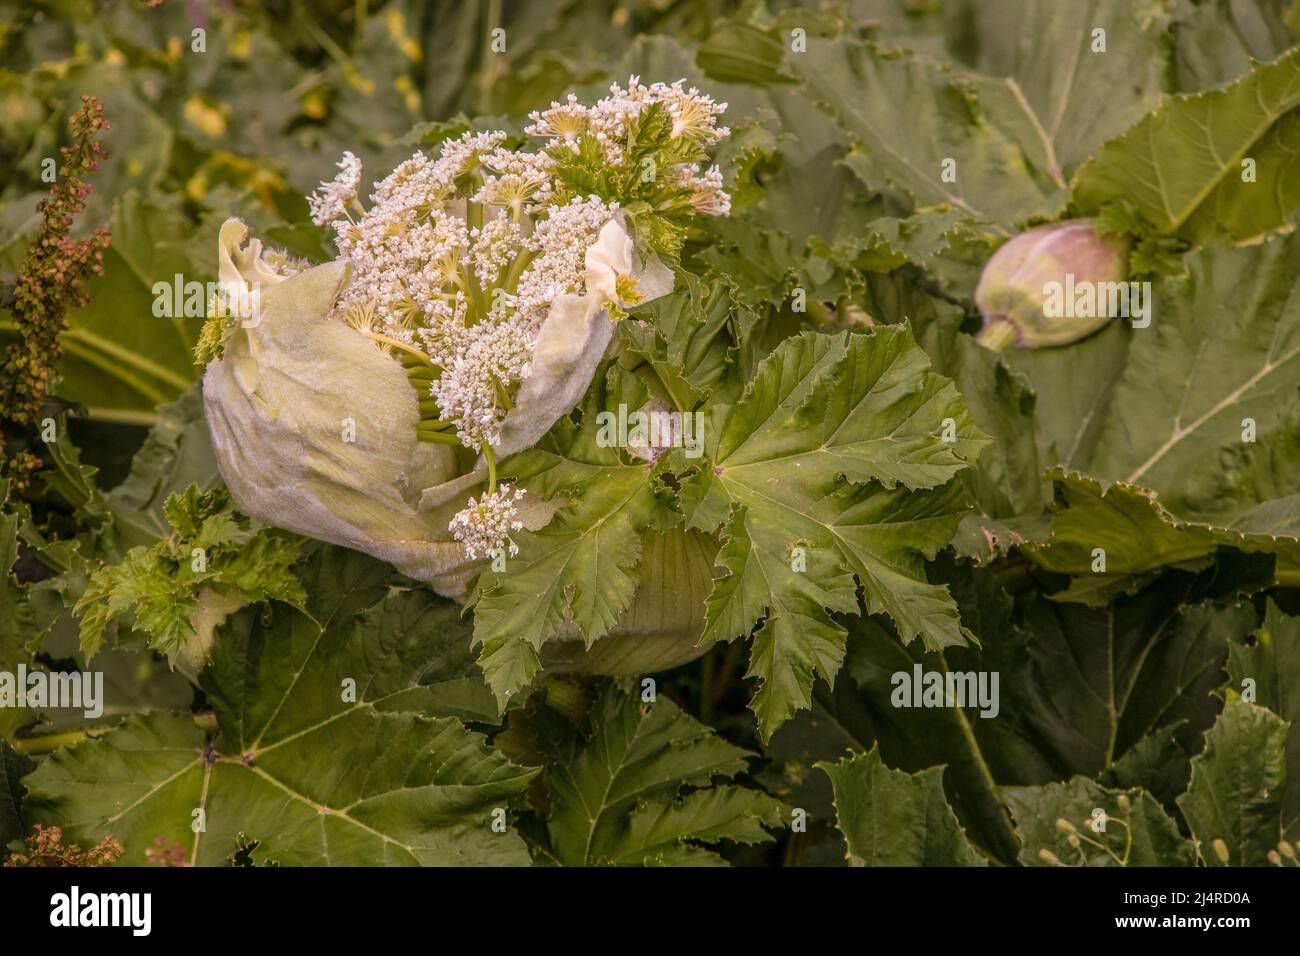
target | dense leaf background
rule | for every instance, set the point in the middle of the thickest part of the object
(1161, 690)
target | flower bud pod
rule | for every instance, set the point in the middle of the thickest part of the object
(1052, 285)
(1220, 849)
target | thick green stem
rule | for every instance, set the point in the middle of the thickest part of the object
(517, 266)
(436, 437)
(402, 346)
(491, 460)
(51, 742)
(435, 424)
(997, 335)
(490, 70)
(122, 416)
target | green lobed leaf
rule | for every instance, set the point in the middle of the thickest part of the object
(1122, 693)
(580, 567)
(1074, 389)
(908, 115)
(1181, 166)
(892, 818)
(1224, 346)
(1157, 763)
(1238, 787)
(822, 409)
(13, 766)
(1270, 658)
(1141, 835)
(738, 51)
(1216, 41)
(947, 246)
(1082, 687)
(1006, 481)
(211, 565)
(1134, 533)
(1072, 89)
(915, 739)
(650, 785)
(403, 784)
(21, 623)
(685, 337)
(1202, 407)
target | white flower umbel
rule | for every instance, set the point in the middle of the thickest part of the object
(694, 119)
(460, 258)
(331, 201)
(484, 525)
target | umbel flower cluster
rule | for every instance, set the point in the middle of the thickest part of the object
(458, 260)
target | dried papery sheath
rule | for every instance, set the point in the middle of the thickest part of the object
(314, 428)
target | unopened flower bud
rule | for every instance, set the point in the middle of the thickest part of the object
(1124, 804)
(1065, 826)
(567, 698)
(1220, 850)
(1028, 291)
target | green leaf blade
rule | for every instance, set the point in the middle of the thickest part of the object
(891, 818)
